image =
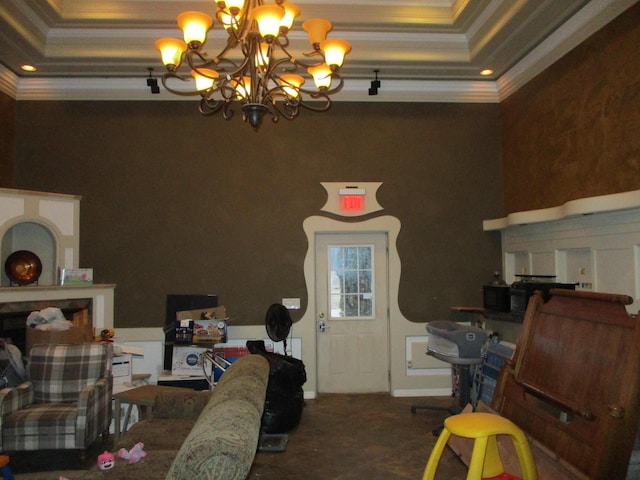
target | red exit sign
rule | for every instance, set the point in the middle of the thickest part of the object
(352, 202)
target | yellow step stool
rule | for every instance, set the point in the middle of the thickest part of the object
(485, 459)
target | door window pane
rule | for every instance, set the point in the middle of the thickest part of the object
(351, 281)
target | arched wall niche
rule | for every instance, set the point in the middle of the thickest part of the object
(37, 238)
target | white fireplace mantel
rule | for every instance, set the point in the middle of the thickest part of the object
(101, 295)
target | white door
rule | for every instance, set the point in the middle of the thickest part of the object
(352, 313)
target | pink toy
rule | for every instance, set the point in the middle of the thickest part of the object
(134, 455)
(105, 461)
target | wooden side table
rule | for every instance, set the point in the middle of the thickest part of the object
(143, 397)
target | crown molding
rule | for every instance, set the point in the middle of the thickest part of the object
(8, 82)
(135, 89)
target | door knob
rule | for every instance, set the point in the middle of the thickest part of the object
(322, 327)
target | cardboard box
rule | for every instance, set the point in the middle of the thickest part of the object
(79, 334)
(81, 318)
(122, 369)
(209, 326)
(231, 351)
(214, 313)
(210, 331)
(76, 276)
(184, 331)
(187, 361)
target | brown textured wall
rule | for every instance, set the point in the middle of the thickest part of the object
(174, 202)
(7, 134)
(574, 130)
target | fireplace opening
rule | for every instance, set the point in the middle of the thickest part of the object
(13, 316)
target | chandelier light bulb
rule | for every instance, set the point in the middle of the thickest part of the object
(321, 76)
(291, 12)
(262, 54)
(205, 78)
(291, 84)
(227, 20)
(317, 29)
(334, 50)
(234, 6)
(171, 50)
(268, 18)
(242, 87)
(194, 26)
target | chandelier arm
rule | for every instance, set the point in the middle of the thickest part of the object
(238, 68)
(287, 111)
(314, 53)
(234, 70)
(248, 23)
(283, 41)
(254, 96)
(183, 93)
(237, 31)
(227, 111)
(228, 91)
(216, 64)
(325, 92)
(315, 108)
(272, 110)
(204, 62)
(282, 63)
(209, 106)
(232, 42)
(289, 107)
(294, 60)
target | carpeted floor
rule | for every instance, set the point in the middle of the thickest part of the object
(340, 437)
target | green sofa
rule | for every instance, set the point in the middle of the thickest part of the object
(191, 435)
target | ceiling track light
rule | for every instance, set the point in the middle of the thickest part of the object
(152, 82)
(375, 84)
(254, 69)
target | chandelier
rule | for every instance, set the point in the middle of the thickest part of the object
(263, 76)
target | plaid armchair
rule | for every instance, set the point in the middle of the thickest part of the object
(65, 404)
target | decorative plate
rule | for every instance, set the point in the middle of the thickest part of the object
(23, 267)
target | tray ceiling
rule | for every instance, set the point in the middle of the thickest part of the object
(429, 43)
